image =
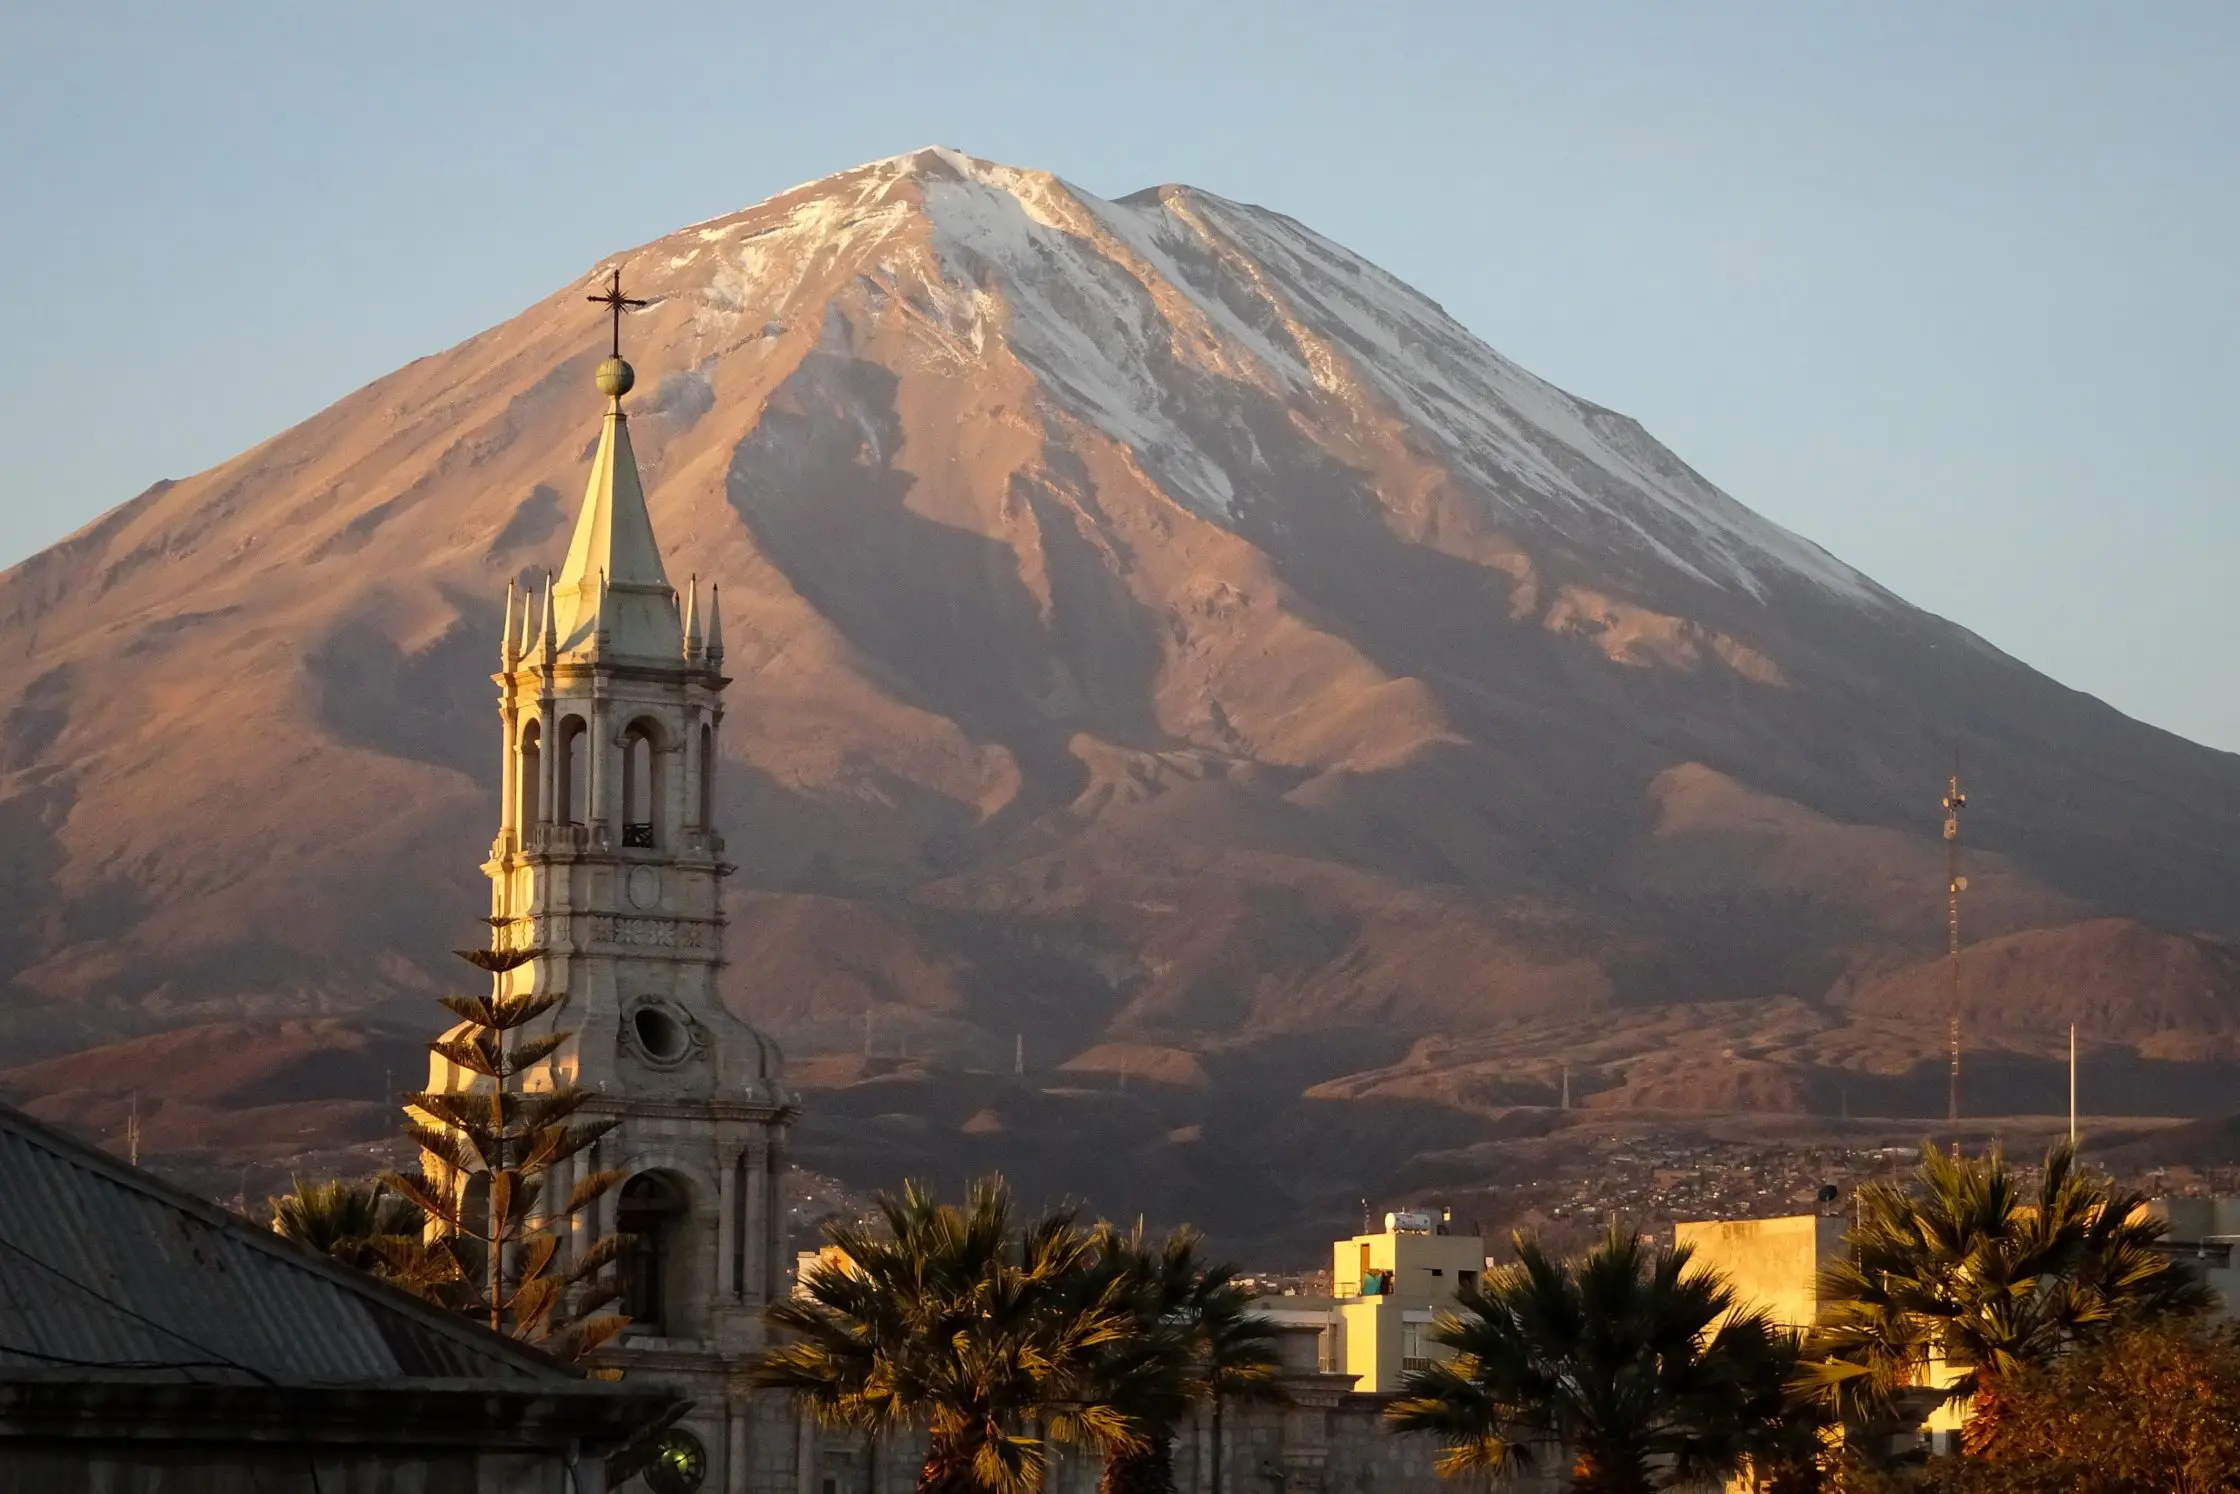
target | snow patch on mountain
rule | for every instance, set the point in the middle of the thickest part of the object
(1102, 300)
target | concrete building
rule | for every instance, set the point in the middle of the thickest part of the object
(1387, 1289)
(154, 1343)
(1774, 1264)
(2202, 1235)
(1391, 1287)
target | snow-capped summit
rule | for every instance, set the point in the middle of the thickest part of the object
(1141, 316)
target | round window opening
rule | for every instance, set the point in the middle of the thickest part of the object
(679, 1465)
(662, 1036)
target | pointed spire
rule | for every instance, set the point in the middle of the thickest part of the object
(613, 549)
(509, 652)
(715, 627)
(692, 620)
(548, 645)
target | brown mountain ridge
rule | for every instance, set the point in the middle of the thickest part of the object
(1162, 641)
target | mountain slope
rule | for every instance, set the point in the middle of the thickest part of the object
(1153, 625)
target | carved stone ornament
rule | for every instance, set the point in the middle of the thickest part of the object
(660, 1034)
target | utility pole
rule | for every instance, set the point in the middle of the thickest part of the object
(1955, 884)
(2072, 1084)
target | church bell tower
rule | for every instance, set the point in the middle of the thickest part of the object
(608, 861)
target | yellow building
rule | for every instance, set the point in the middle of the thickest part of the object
(1387, 1289)
(1773, 1264)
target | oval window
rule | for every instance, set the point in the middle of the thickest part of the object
(661, 1036)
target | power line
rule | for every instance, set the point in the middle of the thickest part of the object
(108, 1301)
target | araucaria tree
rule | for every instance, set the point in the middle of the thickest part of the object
(489, 1181)
(1628, 1364)
(944, 1317)
(1954, 1286)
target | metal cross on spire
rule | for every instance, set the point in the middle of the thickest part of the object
(617, 303)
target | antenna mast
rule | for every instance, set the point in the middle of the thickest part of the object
(2072, 1084)
(1955, 884)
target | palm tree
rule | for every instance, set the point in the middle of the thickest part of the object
(1193, 1338)
(1635, 1367)
(1973, 1270)
(1238, 1345)
(949, 1319)
(360, 1224)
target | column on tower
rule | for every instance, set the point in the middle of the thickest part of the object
(548, 735)
(727, 1205)
(757, 1225)
(509, 713)
(772, 1242)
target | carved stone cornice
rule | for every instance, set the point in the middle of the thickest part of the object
(603, 1103)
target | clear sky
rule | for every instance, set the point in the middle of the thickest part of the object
(1948, 287)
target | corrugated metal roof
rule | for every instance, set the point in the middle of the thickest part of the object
(104, 1265)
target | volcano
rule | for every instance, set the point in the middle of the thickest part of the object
(1167, 648)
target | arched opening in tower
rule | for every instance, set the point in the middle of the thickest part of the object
(570, 771)
(641, 788)
(650, 1218)
(526, 773)
(707, 777)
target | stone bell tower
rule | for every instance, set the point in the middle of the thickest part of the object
(608, 860)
